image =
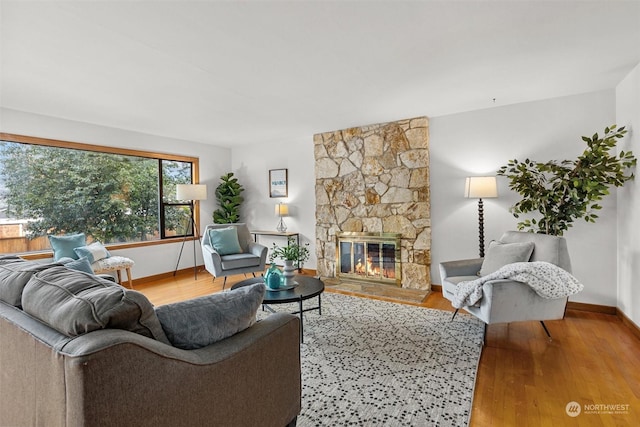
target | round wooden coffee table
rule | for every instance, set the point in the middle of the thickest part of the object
(308, 287)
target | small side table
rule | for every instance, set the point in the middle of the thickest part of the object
(286, 234)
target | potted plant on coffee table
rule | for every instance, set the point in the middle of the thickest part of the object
(291, 255)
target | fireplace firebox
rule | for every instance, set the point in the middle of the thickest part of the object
(369, 256)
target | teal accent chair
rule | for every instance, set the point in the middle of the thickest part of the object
(251, 259)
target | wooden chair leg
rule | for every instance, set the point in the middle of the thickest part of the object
(119, 277)
(129, 277)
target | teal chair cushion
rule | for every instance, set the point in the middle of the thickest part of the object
(225, 240)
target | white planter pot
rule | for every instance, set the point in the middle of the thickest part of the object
(289, 272)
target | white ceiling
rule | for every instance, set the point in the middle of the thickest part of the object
(228, 73)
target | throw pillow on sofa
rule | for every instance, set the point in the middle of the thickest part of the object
(75, 303)
(63, 246)
(202, 321)
(80, 264)
(15, 272)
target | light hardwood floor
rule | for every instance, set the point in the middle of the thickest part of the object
(523, 378)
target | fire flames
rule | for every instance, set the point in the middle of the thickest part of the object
(368, 269)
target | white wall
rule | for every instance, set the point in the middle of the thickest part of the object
(479, 142)
(214, 162)
(251, 164)
(628, 114)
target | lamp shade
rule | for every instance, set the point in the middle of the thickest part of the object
(191, 192)
(282, 209)
(481, 187)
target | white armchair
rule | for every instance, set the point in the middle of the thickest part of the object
(506, 301)
(251, 259)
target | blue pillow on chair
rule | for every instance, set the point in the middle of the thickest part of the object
(225, 240)
(63, 246)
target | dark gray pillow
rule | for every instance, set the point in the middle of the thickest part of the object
(202, 321)
(75, 303)
(15, 272)
(500, 254)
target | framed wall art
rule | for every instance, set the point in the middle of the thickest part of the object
(278, 183)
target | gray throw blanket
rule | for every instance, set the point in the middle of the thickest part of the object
(546, 279)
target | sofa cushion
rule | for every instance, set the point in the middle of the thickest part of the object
(225, 240)
(202, 321)
(93, 252)
(75, 303)
(15, 272)
(500, 254)
(63, 246)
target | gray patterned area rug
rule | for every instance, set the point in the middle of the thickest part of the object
(375, 363)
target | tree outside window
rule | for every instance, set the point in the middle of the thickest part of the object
(111, 197)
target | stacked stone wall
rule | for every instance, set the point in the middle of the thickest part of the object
(376, 179)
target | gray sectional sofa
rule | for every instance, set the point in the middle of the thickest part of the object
(78, 350)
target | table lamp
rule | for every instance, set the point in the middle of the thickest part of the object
(282, 210)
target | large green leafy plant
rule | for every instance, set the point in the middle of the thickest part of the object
(228, 195)
(562, 192)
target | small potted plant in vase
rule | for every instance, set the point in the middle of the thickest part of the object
(291, 255)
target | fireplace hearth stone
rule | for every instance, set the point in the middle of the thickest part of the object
(375, 290)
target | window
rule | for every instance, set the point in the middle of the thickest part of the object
(175, 214)
(112, 195)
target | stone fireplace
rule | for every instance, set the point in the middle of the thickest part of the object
(374, 180)
(373, 257)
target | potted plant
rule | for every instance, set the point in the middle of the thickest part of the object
(291, 254)
(228, 195)
(562, 192)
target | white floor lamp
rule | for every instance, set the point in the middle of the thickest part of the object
(479, 187)
(193, 193)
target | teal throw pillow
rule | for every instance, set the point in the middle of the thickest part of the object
(63, 246)
(93, 252)
(225, 240)
(81, 264)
